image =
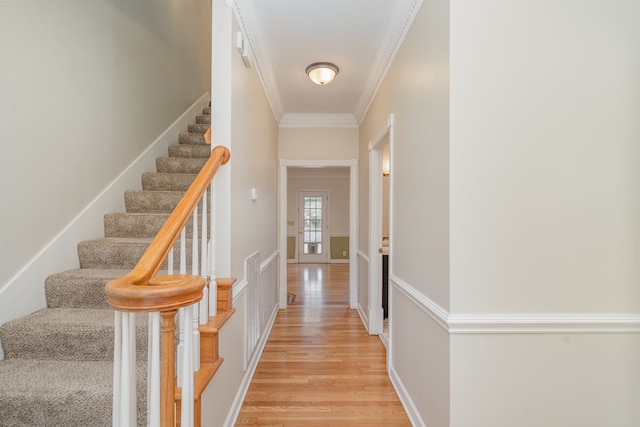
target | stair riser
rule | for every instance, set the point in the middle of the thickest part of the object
(151, 201)
(198, 127)
(140, 225)
(167, 181)
(190, 150)
(179, 165)
(204, 119)
(72, 342)
(191, 139)
(107, 254)
(77, 292)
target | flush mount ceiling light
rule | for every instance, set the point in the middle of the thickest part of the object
(322, 73)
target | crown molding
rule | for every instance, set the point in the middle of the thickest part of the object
(526, 323)
(318, 121)
(385, 59)
(262, 64)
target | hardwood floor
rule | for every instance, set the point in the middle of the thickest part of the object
(319, 366)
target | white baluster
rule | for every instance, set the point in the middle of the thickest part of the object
(153, 371)
(195, 315)
(183, 322)
(117, 369)
(213, 288)
(204, 302)
(127, 366)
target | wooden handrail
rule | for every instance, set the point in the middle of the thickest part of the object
(162, 294)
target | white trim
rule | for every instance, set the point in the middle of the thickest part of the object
(338, 261)
(268, 261)
(405, 399)
(388, 54)
(363, 316)
(437, 313)
(376, 146)
(24, 292)
(318, 163)
(362, 255)
(234, 411)
(239, 288)
(318, 121)
(255, 48)
(527, 323)
(596, 323)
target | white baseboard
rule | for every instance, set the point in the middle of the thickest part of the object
(24, 293)
(405, 399)
(232, 416)
(339, 261)
(363, 317)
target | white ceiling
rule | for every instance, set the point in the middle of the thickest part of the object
(359, 36)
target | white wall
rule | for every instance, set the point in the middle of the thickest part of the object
(545, 215)
(318, 143)
(86, 87)
(242, 120)
(416, 91)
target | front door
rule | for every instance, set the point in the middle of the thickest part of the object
(312, 226)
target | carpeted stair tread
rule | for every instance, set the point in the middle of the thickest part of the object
(191, 138)
(44, 393)
(167, 181)
(202, 151)
(66, 334)
(151, 201)
(206, 110)
(120, 252)
(203, 119)
(80, 288)
(198, 127)
(179, 165)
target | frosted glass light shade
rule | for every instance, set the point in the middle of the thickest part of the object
(322, 73)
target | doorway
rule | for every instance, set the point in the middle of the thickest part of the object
(283, 223)
(313, 226)
(380, 228)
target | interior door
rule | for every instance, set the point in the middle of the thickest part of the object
(312, 226)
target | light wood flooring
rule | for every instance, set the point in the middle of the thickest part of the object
(319, 366)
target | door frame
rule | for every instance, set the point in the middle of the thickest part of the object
(282, 221)
(376, 148)
(326, 225)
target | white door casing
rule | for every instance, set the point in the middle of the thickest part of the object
(376, 147)
(282, 222)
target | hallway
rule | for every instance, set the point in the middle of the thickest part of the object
(319, 366)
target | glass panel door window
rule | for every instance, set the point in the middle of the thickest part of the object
(313, 227)
(312, 215)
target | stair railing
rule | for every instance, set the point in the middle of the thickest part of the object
(192, 296)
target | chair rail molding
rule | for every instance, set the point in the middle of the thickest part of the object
(519, 323)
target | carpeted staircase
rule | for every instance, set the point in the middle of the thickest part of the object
(58, 363)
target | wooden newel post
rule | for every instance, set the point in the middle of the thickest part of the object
(168, 382)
